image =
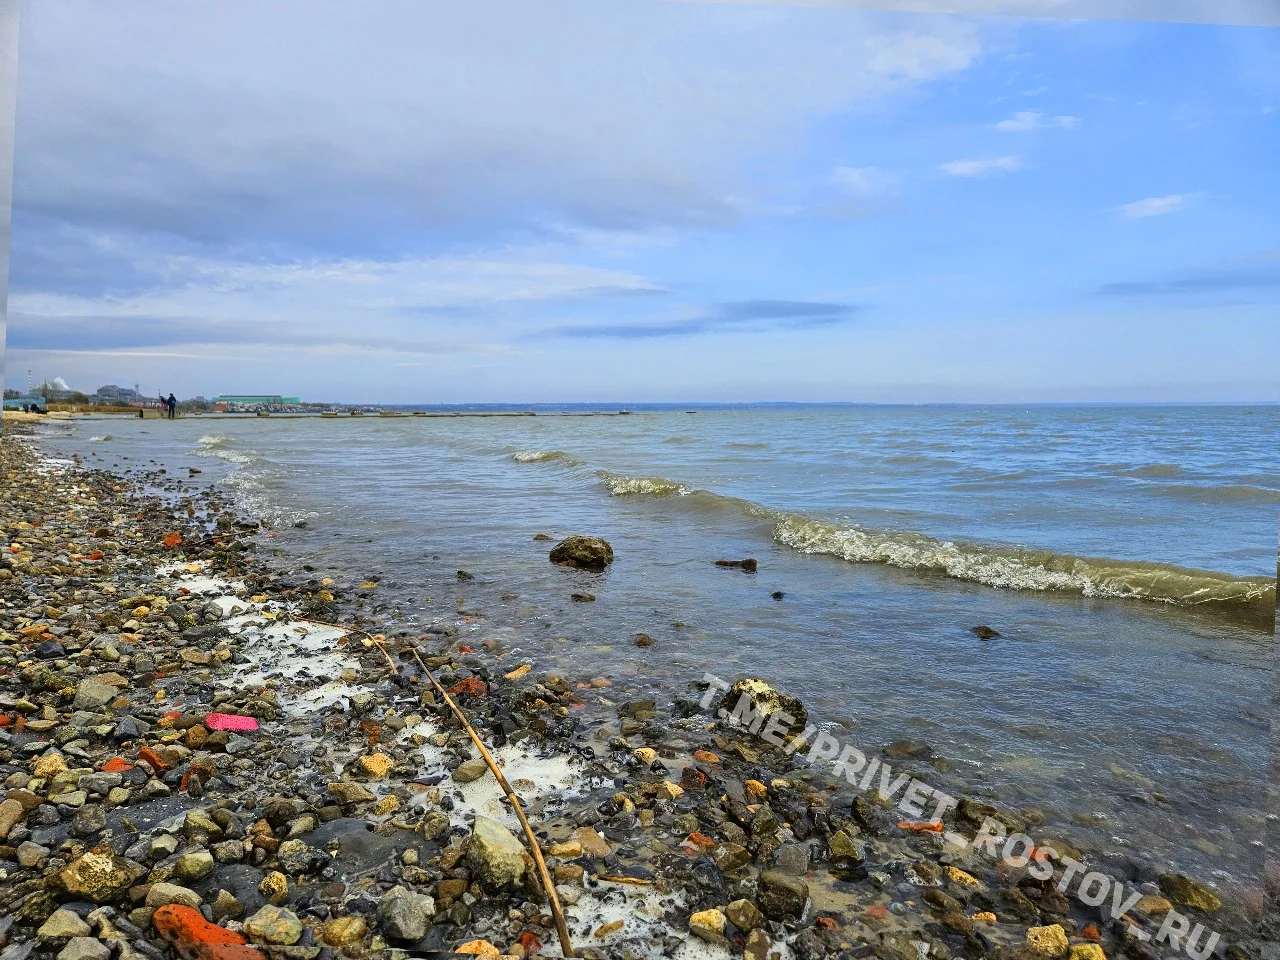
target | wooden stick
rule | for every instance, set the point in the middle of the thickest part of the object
(566, 944)
(337, 626)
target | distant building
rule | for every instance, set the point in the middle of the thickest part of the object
(116, 395)
(248, 403)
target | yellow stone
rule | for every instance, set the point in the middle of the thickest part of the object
(956, 875)
(388, 804)
(669, 791)
(141, 611)
(984, 916)
(1050, 941)
(711, 919)
(607, 928)
(519, 671)
(1087, 951)
(259, 598)
(344, 930)
(193, 568)
(646, 755)
(478, 948)
(368, 585)
(50, 766)
(756, 788)
(327, 582)
(375, 765)
(274, 886)
(570, 849)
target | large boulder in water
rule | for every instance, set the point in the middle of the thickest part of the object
(586, 553)
(752, 701)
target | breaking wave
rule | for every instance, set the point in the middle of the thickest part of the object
(1007, 568)
(620, 485)
(1026, 569)
(214, 446)
(543, 456)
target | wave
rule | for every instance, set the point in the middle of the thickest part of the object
(543, 456)
(102, 439)
(1026, 569)
(621, 485)
(1231, 493)
(1007, 568)
(215, 446)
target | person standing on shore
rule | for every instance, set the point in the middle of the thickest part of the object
(172, 404)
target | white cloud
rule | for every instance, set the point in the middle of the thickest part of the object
(1025, 120)
(864, 181)
(982, 168)
(1153, 206)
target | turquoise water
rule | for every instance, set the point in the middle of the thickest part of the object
(1126, 555)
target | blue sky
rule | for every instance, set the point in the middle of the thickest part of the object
(644, 201)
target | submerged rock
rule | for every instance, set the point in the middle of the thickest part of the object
(585, 553)
(753, 701)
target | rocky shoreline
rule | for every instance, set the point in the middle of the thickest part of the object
(197, 763)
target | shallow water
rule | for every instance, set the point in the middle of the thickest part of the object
(1125, 555)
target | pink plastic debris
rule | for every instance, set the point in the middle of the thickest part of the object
(230, 721)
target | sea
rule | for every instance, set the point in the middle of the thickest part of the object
(1125, 555)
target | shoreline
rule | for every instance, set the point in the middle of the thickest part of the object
(264, 802)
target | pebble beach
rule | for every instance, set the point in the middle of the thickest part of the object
(205, 754)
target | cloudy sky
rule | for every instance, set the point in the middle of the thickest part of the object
(638, 200)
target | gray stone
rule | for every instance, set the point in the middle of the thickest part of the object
(162, 894)
(471, 770)
(404, 915)
(63, 924)
(92, 695)
(274, 925)
(84, 948)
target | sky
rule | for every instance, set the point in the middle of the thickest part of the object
(502, 201)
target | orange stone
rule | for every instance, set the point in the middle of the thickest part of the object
(117, 765)
(471, 687)
(705, 756)
(195, 938)
(153, 758)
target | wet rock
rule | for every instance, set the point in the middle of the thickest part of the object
(274, 925)
(405, 915)
(983, 632)
(586, 553)
(753, 702)
(744, 915)
(907, 749)
(1182, 889)
(495, 856)
(782, 896)
(470, 770)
